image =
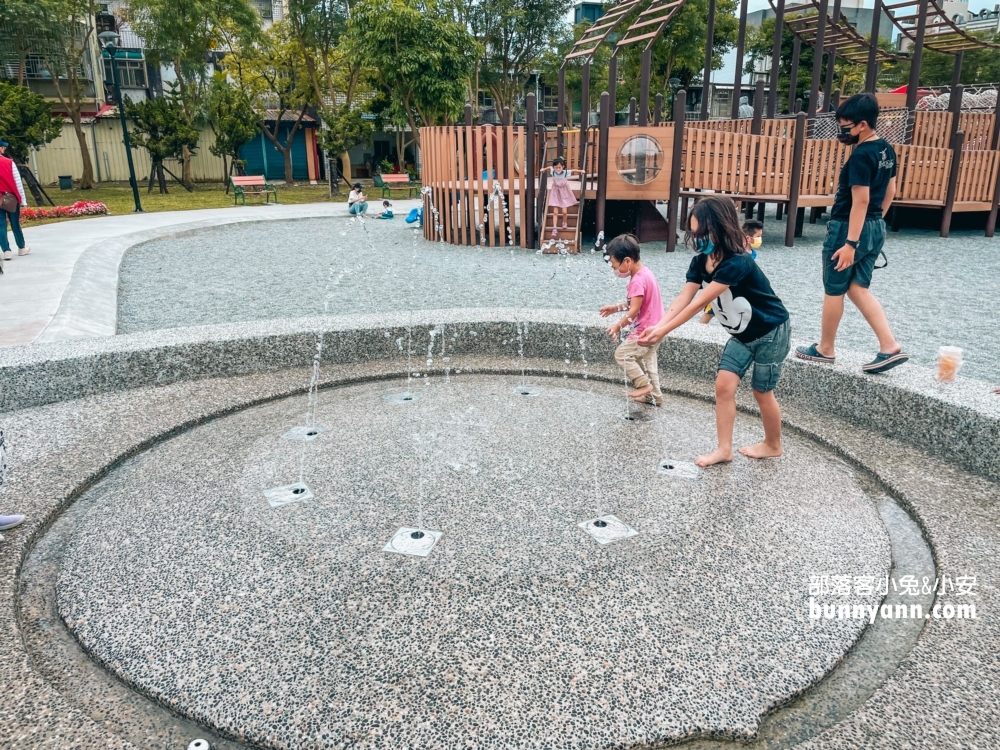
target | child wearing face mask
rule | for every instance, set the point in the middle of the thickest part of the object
(753, 233)
(643, 308)
(758, 323)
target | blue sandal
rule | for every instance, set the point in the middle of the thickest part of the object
(883, 362)
(813, 354)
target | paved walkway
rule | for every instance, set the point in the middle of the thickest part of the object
(41, 294)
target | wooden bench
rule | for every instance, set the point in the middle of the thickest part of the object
(252, 185)
(389, 181)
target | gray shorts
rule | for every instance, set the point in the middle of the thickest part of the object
(836, 283)
(766, 354)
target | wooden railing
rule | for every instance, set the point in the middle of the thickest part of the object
(742, 164)
(978, 128)
(461, 165)
(781, 128)
(932, 129)
(977, 179)
(922, 174)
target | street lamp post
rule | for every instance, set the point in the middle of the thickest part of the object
(110, 39)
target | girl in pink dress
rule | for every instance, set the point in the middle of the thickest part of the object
(560, 194)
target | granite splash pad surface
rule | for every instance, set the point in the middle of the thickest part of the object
(290, 627)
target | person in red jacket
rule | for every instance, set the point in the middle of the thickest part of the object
(10, 182)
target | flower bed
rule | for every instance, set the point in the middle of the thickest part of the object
(80, 208)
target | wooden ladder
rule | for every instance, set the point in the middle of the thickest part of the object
(566, 240)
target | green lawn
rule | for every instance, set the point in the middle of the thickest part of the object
(117, 196)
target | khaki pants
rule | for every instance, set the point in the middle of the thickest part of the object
(639, 363)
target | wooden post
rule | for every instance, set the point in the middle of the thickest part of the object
(706, 78)
(918, 52)
(613, 87)
(607, 115)
(658, 109)
(871, 70)
(796, 179)
(798, 106)
(779, 20)
(631, 111)
(584, 110)
(738, 80)
(506, 116)
(956, 165)
(468, 115)
(561, 118)
(956, 71)
(758, 107)
(991, 221)
(955, 107)
(831, 57)
(647, 61)
(818, 57)
(793, 82)
(673, 202)
(995, 137)
(528, 210)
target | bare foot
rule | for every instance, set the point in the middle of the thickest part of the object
(718, 456)
(641, 392)
(761, 450)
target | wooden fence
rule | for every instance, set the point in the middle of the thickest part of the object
(466, 166)
(780, 128)
(469, 169)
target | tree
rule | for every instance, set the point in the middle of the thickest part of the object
(273, 76)
(514, 35)
(319, 27)
(680, 50)
(978, 66)
(22, 23)
(182, 34)
(418, 56)
(553, 60)
(25, 120)
(160, 127)
(232, 119)
(64, 40)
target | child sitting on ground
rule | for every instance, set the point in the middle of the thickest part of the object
(386, 210)
(753, 234)
(747, 308)
(643, 309)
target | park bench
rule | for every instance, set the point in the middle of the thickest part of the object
(389, 181)
(252, 185)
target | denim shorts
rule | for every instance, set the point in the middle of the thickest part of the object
(766, 354)
(836, 283)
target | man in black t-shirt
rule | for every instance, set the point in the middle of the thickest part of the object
(855, 235)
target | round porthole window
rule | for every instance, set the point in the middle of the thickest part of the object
(639, 160)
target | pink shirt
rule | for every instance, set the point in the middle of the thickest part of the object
(643, 284)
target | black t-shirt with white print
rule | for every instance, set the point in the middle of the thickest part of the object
(749, 308)
(872, 163)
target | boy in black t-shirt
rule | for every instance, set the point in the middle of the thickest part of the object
(855, 235)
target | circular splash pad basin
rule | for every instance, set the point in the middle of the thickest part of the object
(292, 626)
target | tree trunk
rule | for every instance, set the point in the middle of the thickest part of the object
(161, 179)
(287, 153)
(152, 176)
(187, 177)
(30, 182)
(87, 180)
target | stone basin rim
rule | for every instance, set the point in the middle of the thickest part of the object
(511, 369)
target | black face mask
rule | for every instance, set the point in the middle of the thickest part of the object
(846, 137)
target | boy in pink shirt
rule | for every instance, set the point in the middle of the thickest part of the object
(643, 310)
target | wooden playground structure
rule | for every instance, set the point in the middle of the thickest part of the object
(487, 184)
